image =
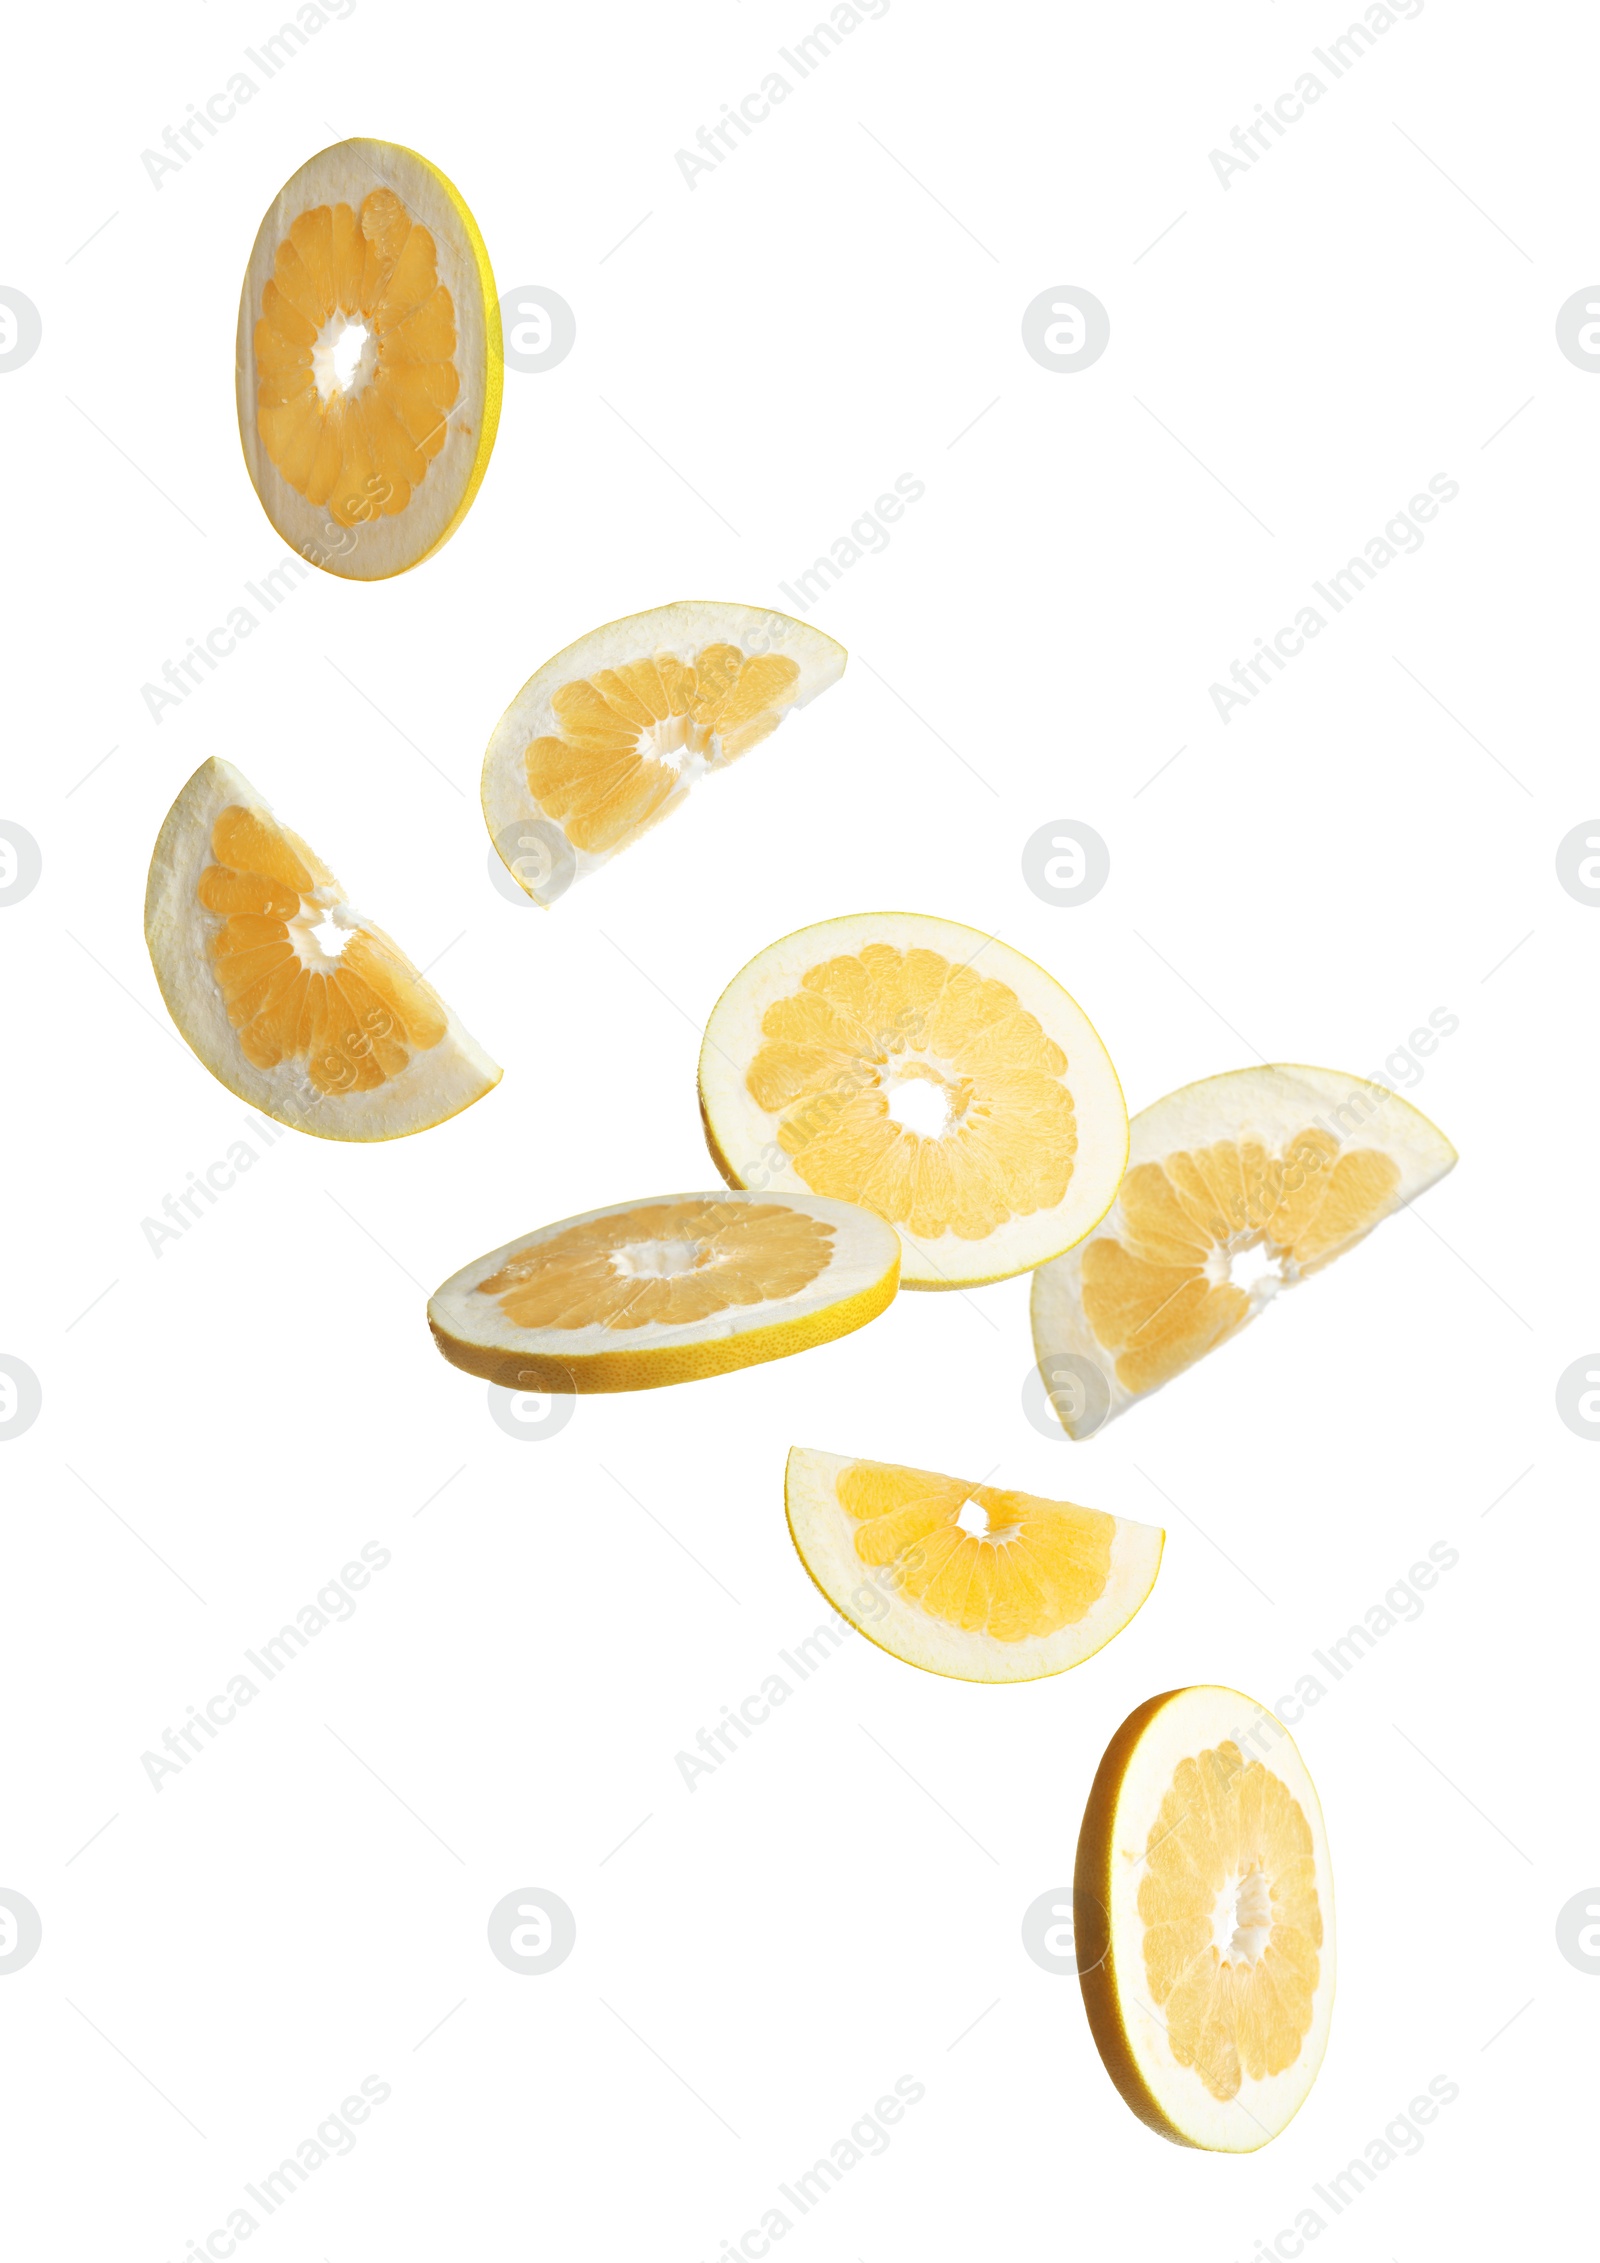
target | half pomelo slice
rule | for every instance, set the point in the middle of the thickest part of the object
(611, 734)
(1266, 1173)
(927, 1071)
(982, 1584)
(665, 1291)
(293, 999)
(369, 360)
(1203, 1919)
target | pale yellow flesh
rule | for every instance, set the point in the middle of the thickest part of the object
(665, 1291)
(980, 1583)
(928, 1072)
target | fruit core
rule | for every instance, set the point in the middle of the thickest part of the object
(344, 356)
(1241, 1923)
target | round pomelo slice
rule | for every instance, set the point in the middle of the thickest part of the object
(983, 1584)
(1203, 1919)
(615, 731)
(1237, 1187)
(927, 1071)
(369, 360)
(292, 998)
(665, 1290)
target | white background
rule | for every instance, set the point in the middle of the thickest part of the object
(306, 1903)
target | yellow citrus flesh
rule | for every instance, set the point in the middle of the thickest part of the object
(981, 1582)
(668, 1262)
(1203, 1919)
(293, 998)
(373, 272)
(928, 1073)
(648, 1293)
(369, 359)
(1275, 1171)
(613, 733)
(611, 771)
(354, 1020)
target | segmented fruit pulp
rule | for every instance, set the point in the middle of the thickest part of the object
(859, 1027)
(355, 1013)
(1037, 1566)
(1230, 1851)
(358, 438)
(616, 765)
(663, 1263)
(1159, 1296)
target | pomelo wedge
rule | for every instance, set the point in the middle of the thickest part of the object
(1237, 1187)
(291, 998)
(665, 1291)
(369, 360)
(983, 1584)
(1203, 1919)
(925, 1070)
(614, 732)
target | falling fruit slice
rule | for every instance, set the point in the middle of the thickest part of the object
(665, 1291)
(292, 999)
(927, 1071)
(612, 733)
(981, 1583)
(1203, 1919)
(1237, 1187)
(369, 360)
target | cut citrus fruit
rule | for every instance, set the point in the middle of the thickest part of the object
(292, 999)
(612, 733)
(1237, 1186)
(925, 1070)
(665, 1291)
(1203, 1919)
(983, 1584)
(369, 360)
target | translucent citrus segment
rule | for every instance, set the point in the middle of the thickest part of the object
(293, 998)
(665, 1291)
(979, 1582)
(927, 1071)
(1237, 1187)
(369, 366)
(1203, 1919)
(615, 731)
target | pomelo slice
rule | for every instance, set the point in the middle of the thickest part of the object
(928, 1071)
(1203, 1919)
(612, 734)
(369, 360)
(665, 1291)
(293, 999)
(982, 1584)
(1266, 1173)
